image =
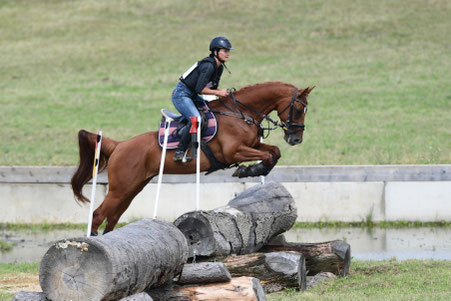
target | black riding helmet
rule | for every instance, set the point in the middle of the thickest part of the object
(219, 43)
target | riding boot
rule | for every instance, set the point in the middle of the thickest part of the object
(182, 146)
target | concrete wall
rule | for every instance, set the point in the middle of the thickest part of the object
(322, 193)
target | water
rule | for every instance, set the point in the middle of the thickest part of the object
(30, 246)
(375, 243)
(379, 243)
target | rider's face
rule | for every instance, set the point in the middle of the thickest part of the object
(224, 54)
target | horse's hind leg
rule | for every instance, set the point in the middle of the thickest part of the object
(120, 205)
(109, 207)
(114, 200)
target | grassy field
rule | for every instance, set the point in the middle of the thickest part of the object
(381, 69)
(383, 280)
(367, 280)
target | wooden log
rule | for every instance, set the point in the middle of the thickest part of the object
(29, 296)
(113, 266)
(330, 256)
(40, 296)
(239, 288)
(276, 271)
(243, 226)
(204, 272)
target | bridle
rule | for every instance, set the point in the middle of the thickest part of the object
(289, 127)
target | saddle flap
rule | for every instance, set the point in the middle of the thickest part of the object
(209, 127)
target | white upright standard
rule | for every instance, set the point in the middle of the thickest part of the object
(163, 157)
(199, 139)
(95, 170)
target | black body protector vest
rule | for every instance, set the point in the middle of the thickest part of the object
(204, 73)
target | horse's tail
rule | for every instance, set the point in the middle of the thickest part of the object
(87, 142)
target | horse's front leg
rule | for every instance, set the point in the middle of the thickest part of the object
(268, 155)
(273, 150)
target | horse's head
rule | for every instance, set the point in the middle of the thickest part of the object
(292, 113)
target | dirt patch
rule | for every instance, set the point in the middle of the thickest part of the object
(16, 282)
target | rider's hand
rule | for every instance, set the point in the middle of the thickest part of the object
(222, 93)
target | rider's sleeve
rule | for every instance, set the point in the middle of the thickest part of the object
(205, 72)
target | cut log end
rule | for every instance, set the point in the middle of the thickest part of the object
(198, 233)
(121, 263)
(343, 250)
(61, 269)
(331, 256)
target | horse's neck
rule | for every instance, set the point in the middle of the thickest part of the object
(263, 101)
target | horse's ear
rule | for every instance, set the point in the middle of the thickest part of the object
(308, 90)
(305, 92)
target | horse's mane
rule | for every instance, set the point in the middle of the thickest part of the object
(253, 87)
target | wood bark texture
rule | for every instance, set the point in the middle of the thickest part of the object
(204, 272)
(29, 296)
(276, 271)
(40, 296)
(243, 226)
(330, 256)
(239, 288)
(121, 263)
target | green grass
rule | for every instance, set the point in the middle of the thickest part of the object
(304, 225)
(370, 224)
(51, 227)
(5, 246)
(11, 271)
(19, 267)
(367, 280)
(383, 280)
(381, 70)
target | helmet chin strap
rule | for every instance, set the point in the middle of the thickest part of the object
(221, 61)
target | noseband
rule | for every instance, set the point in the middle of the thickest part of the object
(289, 126)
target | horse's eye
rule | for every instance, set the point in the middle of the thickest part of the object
(298, 113)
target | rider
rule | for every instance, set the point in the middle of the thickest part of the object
(202, 78)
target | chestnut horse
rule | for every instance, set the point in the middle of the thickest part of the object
(134, 162)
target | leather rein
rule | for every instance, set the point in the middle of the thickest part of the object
(289, 127)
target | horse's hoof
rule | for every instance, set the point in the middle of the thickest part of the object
(106, 231)
(94, 233)
(240, 172)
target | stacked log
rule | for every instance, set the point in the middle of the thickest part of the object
(238, 288)
(243, 226)
(276, 270)
(204, 272)
(113, 266)
(330, 256)
(40, 296)
(146, 260)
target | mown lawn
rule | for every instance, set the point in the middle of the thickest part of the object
(367, 280)
(381, 71)
(383, 280)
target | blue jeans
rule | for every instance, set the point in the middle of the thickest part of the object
(183, 99)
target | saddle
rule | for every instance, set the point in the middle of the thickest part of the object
(179, 124)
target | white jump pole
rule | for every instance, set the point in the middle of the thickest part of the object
(199, 138)
(95, 170)
(262, 178)
(163, 157)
